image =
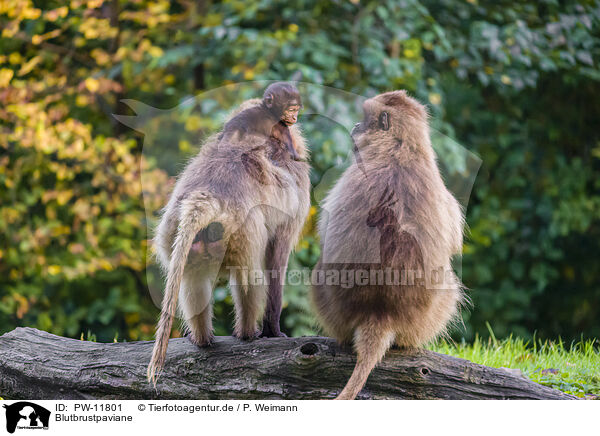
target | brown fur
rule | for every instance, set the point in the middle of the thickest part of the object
(260, 197)
(271, 117)
(399, 198)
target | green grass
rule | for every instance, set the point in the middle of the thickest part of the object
(574, 369)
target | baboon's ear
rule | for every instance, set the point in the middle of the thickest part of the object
(268, 99)
(384, 121)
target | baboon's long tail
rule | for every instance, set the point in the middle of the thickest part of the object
(196, 213)
(371, 343)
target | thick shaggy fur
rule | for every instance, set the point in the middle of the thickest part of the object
(260, 197)
(397, 198)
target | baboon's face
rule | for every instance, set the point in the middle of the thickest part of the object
(372, 123)
(290, 114)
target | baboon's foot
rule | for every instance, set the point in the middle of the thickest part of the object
(272, 331)
(201, 341)
(246, 334)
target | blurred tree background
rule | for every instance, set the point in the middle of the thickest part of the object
(517, 83)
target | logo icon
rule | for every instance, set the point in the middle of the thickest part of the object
(26, 415)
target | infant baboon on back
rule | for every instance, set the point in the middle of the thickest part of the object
(237, 211)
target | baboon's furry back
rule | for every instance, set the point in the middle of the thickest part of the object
(253, 196)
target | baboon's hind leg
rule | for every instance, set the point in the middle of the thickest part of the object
(246, 261)
(195, 304)
(276, 258)
(249, 299)
(200, 327)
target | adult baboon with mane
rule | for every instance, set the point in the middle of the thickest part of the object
(398, 195)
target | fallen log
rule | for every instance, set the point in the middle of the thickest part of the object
(38, 365)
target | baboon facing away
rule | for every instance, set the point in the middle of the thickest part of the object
(397, 193)
(236, 211)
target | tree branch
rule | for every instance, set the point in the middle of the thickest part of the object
(38, 365)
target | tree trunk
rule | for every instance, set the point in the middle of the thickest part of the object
(38, 365)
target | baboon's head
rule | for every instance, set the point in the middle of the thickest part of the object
(394, 126)
(283, 101)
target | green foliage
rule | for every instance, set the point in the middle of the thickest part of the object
(516, 83)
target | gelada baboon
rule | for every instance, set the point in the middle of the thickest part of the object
(410, 293)
(236, 210)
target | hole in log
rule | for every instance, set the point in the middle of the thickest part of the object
(309, 349)
(424, 371)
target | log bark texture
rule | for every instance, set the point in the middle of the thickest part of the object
(38, 365)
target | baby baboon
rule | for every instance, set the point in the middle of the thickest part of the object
(236, 210)
(272, 117)
(411, 292)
